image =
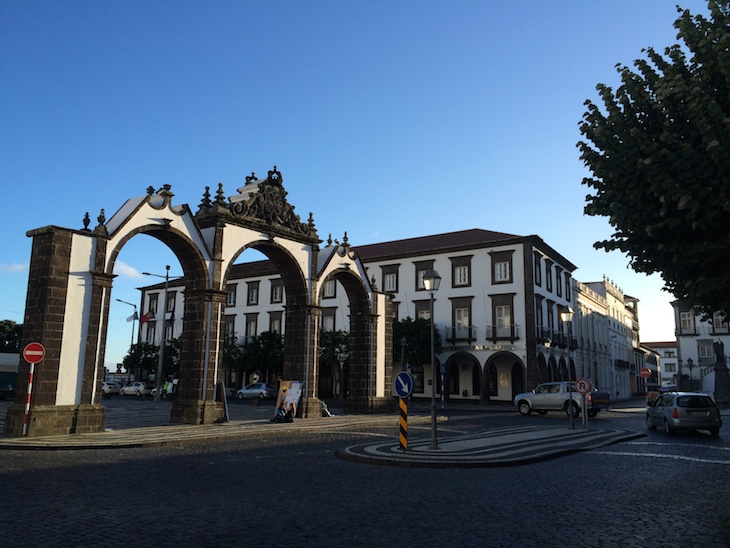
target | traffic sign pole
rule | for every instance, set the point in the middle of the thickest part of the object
(33, 353)
(403, 434)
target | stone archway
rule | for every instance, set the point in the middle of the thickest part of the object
(69, 290)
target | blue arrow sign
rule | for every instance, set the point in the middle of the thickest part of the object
(404, 384)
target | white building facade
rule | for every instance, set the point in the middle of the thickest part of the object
(497, 311)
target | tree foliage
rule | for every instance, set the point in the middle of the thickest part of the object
(145, 356)
(334, 347)
(659, 153)
(417, 334)
(264, 354)
(10, 334)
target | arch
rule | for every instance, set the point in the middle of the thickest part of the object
(464, 375)
(76, 266)
(505, 376)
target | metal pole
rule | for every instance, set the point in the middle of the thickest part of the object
(434, 435)
(161, 354)
(571, 403)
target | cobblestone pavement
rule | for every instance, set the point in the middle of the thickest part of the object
(669, 491)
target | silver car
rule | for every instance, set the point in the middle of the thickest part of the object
(684, 411)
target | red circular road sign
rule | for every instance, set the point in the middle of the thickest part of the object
(645, 372)
(583, 386)
(34, 352)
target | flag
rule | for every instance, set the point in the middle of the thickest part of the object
(172, 315)
(147, 317)
(133, 317)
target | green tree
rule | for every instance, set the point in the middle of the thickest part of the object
(145, 356)
(659, 153)
(264, 354)
(232, 357)
(10, 334)
(417, 335)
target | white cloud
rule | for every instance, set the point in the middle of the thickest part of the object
(15, 267)
(123, 269)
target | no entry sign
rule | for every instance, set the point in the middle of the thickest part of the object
(34, 352)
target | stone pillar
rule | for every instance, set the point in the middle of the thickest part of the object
(197, 400)
(58, 254)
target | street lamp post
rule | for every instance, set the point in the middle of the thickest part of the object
(403, 353)
(131, 341)
(567, 317)
(431, 281)
(161, 353)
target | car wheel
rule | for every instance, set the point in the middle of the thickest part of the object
(593, 413)
(667, 428)
(524, 408)
(714, 432)
(240, 396)
(650, 425)
(571, 408)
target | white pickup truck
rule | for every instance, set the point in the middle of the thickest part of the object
(556, 396)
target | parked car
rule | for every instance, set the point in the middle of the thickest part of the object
(674, 411)
(110, 387)
(258, 390)
(133, 389)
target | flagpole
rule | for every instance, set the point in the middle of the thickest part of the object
(131, 340)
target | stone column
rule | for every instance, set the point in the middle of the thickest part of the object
(197, 400)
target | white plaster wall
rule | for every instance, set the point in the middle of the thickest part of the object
(76, 321)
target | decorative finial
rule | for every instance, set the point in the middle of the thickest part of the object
(150, 190)
(220, 197)
(251, 177)
(329, 238)
(86, 221)
(205, 202)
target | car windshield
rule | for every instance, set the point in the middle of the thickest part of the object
(694, 401)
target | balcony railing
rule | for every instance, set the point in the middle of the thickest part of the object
(503, 332)
(461, 334)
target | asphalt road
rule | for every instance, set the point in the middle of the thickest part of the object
(293, 491)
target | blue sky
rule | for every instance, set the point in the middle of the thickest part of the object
(388, 120)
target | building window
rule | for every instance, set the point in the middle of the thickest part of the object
(328, 319)
(153, 305)
(390, 278)
(549, 275)
(275, 321)
(718, 324)
(277, 291)
(421, 268)
(169, 331)
(251, 326)
(151, 332)
(461, 271)
(502, 326)
(330, 289)
(418, 380)
(538, 268)
(687, 322)
(229, 326)
(253, 293)
(501, 266)
(503, 318)
(461, 318)
(423, 309)
(704, 350)
(568, 295)
(558, 281)
(231, 294)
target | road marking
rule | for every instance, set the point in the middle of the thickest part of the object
(661, 456)
(691, 446)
